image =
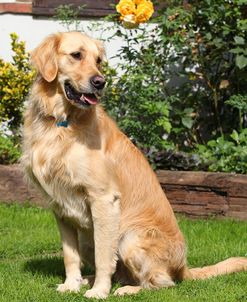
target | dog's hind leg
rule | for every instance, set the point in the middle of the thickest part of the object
(149, 269)
(127, 290)
(156, 280)
(153, 278)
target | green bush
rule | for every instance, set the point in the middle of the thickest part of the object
(15, 80)
(181, 83)
(226, 155)
(136, 103)
(178, 80)
(210, 40)
(9, 151)
(180, 90)
(206, 41)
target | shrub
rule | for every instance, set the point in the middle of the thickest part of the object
(137, 104)
(182, 83)
(68, 16)
(9, 151)
(226, 155)
(209, 37)
(179, 78)
(15, 80)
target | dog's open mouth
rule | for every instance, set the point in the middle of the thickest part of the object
(84, 99)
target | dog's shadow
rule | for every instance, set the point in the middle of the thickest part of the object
(50, 266)
(46, 266)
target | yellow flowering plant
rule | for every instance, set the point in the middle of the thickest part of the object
(15, 80)
(134, 12)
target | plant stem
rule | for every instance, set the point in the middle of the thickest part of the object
(215, 97)
(240, 120)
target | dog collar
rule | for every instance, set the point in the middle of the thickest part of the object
(63, 124)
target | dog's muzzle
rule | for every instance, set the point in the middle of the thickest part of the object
(79, 98)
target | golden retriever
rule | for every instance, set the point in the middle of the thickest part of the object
(109, 206)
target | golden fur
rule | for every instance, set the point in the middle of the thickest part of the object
(109, 206)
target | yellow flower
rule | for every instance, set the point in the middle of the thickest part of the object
(134, 12)
(144, 11)
(137, 2)
(126, 7)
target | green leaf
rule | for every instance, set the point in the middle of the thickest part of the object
(235, 136)
(218, 42)
(188, 110)
(241, 2)
(239, 40)
(166, 125)
(208, 36)
(237, 50)
(241, 61)
(187, 122)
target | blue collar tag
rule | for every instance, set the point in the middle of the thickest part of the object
(63, 124)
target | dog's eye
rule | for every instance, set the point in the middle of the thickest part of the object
(98, 60)
(76, 55)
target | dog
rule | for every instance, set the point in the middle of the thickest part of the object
(110, 208)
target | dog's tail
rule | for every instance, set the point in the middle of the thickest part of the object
(228, 266)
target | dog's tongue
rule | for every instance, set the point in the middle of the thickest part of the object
(90, 98)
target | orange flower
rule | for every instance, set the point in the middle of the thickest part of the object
(144, 11)
(126, 7)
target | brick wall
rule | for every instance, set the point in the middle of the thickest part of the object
(202, 194)
(195, 194)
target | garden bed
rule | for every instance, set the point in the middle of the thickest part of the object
(196, 194)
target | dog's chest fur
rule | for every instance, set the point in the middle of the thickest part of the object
(60, 169)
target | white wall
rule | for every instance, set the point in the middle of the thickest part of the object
(33, 30)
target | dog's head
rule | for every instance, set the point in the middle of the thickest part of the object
(73, 60)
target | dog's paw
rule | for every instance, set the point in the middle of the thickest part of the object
(127, 290)
(88, 280)
(96, 293)
(71, 285)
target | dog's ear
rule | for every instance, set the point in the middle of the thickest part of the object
(44, 58)
(101, 48)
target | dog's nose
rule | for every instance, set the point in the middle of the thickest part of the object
(98, 82)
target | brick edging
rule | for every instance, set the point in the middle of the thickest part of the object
(16, 8)
(203, 194)
(196, 194)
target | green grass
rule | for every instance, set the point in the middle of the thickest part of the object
(31, 264)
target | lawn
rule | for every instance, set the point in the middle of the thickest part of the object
(31, 264)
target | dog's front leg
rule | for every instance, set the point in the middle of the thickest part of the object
(106, 217)
(72, 261)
